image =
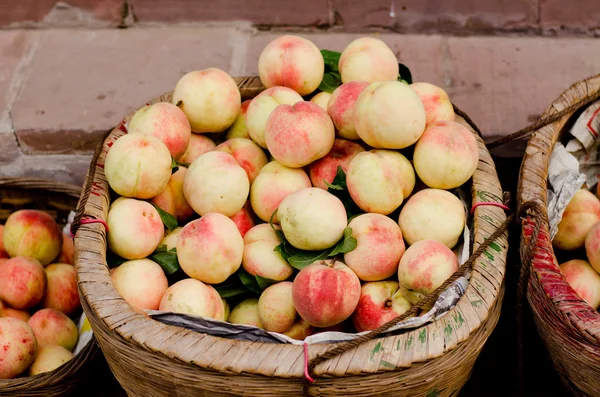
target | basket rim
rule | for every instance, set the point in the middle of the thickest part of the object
(472, 310)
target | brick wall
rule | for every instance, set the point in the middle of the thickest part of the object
(68, 72)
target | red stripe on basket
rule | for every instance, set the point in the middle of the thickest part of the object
(306, 374)
(589, 123)
(492, 203)
(86, 221)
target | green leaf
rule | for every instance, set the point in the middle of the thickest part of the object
(304, 258)
(329, 83)
(264, 282)
(334, 187)
(248, 280)
(167, 260)
(180, 164)
(113, 260)
(169, 220)
(281, 249)
(331, 59)
(346, 244)
(339, 189)
(405, 74)
(229, 291)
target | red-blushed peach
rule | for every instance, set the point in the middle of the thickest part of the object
(582, 212)
(52, 327)
(246, 312)
(325, 169)
(380, 302)
(138, 166)
(402, 164)
(209, 98)
(300, 134)
(166, 122)
(172, 199)
(261, 108)
(210, 249)
(141, 282)
(199, 144)
(260, 257)
(22, 315)
(193, 297)
(446, 156)
(321, 99)
(62, 293)
(170, 239)
(592, 247)
(215, 182)
(273, 183)
(379, 247)
(300, 330)
(389, 115)
(276, 308)
(244, 218)
(436, 102)
(312, 219)
(226, 309)
(584, 280)
(291, 61)
(3, 253)
(19, 347)
(49, 358)
(248, 154)
(33, 234)
(433, 214)
(426, 265)
(22, 282)
(67, 252)
(239, 129)
(368, 59)
(341, 108)
(375, 183)
(135, 228)
(220, 308)
(326, 293)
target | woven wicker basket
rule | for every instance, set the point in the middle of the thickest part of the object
(568, 325)
(57, 199)
(153, 359)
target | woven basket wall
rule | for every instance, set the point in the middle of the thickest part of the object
(57, 199)
(567, 324)
(151, 359)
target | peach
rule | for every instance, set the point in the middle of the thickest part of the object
(403, 165)
(209, 98)
(49, 358)
(321, 99)
(389, 115)
(172, 199)
(239, 129)
(244, 219)
(368, 59)
(67, 252)
(291, 61)
(433, 214)
(210, 249)
(379, 247)
(138, 166)
(261, 108)
(170, 240)
(193, 297)
(142, 283)
(215, 182)
(62, 293)
(3, 253)
(425, 266)
(436, 102)
(325, 293)
(22, 282)
(135, 228)
(52, 327)
(312, 219)
(300, 330)
(584, 280)
(592, 246)
(341, 108)
(446, 156)
(380, 302)
(166, 122)
(273, 183)
(246, 312)
(19, 347)
(375, 182)
(260, 257)
(582, 212)
(22, 315)
(276, 308)
(199, 144)
(219, 308)
(1, 309)
(226, 309)
(33, 234)
(325, 169)
(248, 154)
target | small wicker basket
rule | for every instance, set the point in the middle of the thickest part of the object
(151, 359)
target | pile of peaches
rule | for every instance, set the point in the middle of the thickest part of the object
(38, 295)
(328, 201)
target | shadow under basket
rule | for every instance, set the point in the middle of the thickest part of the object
(152, 359)
(57, 199)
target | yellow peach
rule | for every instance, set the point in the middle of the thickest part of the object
(368, 59)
